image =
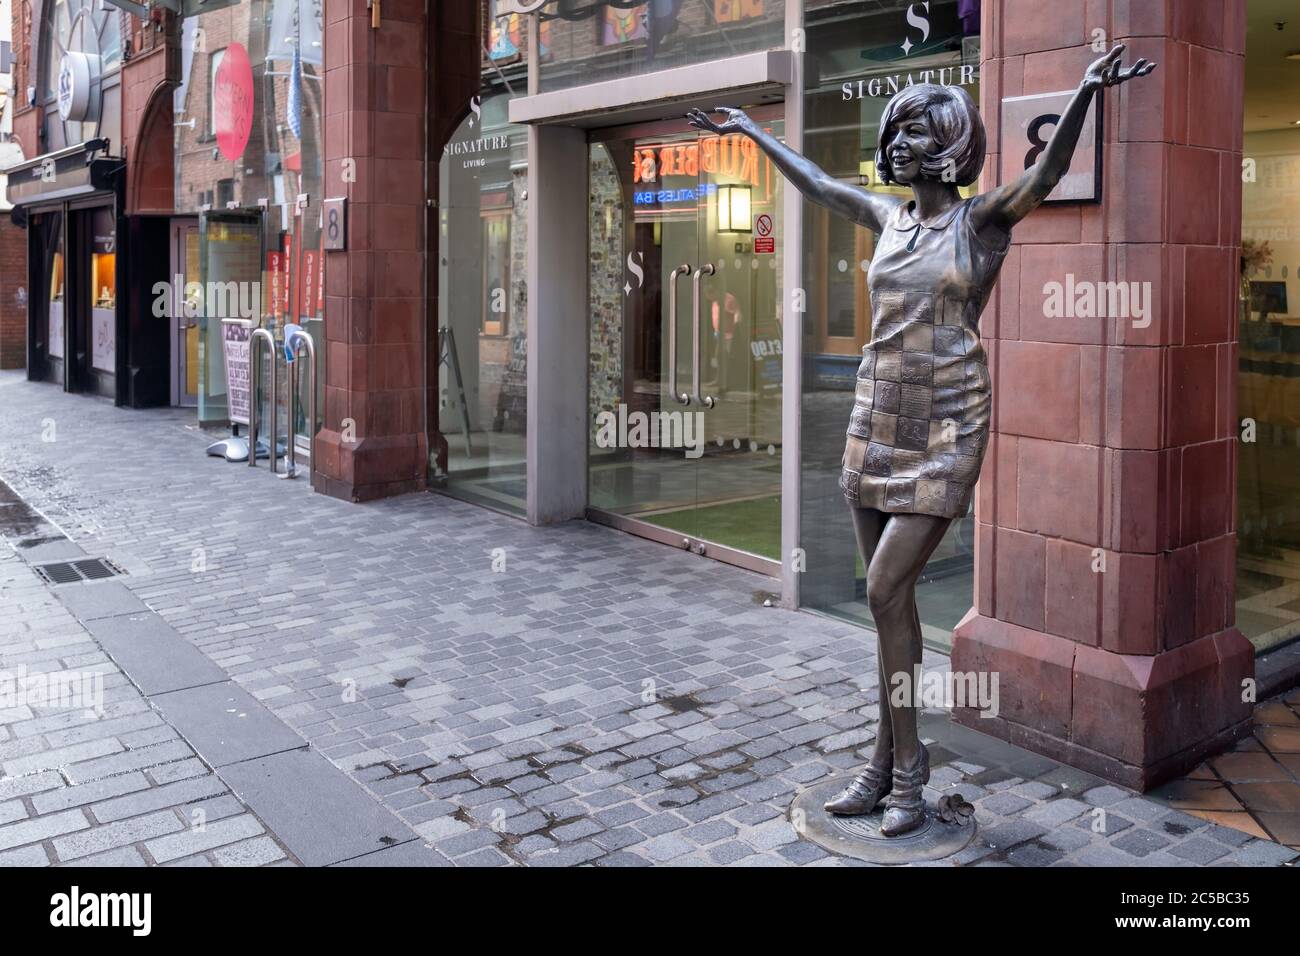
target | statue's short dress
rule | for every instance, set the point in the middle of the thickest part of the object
(920, 420)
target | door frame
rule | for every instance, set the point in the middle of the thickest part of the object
(768, 567)
(179, 226)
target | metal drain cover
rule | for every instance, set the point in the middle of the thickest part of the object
(73, 572)
(860, 837)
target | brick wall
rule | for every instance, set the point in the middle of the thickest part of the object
(13, 288)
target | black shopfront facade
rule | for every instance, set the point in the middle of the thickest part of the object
(78, 335)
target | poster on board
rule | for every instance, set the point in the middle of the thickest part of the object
(236, 335)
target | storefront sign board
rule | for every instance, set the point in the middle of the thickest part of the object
(235, 337)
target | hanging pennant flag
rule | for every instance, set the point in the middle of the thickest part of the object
(295, 94)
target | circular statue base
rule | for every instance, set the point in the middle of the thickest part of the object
(860, 837)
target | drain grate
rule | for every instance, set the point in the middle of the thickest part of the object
(71, 572)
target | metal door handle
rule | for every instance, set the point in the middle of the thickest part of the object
(704, 270)
(672, 333)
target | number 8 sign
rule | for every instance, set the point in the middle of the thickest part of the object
(1027, 125)
(334, 226)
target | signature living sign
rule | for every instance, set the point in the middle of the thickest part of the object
(927, 52)
(885, 86)
(475, 152)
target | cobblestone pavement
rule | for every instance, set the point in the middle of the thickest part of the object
(601, 699)
(118, 789)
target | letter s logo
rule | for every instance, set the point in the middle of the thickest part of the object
(920, 21)
(636, 270)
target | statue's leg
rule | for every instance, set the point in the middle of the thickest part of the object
(905, 545)
(869, 787)
(868, 525)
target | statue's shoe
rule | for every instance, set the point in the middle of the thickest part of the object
(862, 794)
(905, 810)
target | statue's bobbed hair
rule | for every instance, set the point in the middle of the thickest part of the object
(958, 131)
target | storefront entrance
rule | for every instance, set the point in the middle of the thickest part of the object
(185, 320)
(73, 324)
(685, 339)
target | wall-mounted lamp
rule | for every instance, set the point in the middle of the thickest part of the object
(733, 209)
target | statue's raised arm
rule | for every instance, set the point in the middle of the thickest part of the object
(865, 208)
(1003, 207)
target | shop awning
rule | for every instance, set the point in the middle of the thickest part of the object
(63, 174)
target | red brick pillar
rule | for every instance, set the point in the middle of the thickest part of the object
(372, 443)
(1113, 443)
(13, 305)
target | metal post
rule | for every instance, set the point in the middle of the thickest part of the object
(302, 340)
(254, 376)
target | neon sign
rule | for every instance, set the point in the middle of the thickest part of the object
(732, 157)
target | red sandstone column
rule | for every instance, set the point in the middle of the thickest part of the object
(1110, 442)
(374, 307)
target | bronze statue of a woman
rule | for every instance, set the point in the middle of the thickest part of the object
(920, 419)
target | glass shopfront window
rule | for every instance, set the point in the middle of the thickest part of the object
(861, 54)
(1268, 383)
(249, 161)
(477, 450)
(57, 298)
(586, 41)
(684, 289)
(50, 298)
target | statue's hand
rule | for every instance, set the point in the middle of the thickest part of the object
(736, 121)
(1107, 71)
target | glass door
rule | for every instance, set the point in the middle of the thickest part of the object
(231, 267)
(185, 319)
(685, 384)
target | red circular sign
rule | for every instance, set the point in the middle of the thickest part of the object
(232, 98)
(764, 225)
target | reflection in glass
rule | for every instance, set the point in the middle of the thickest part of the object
(862, 53)
(276, 182)
(670, 212)
(585, 42)
(478, 450)
(1268, 381)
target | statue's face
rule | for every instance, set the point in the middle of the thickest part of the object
(913, 140)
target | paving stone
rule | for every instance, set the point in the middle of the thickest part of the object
(1034, 854)
(1011, 833)
(115, 835)
(1139, 841)
(177, 845)
(123, 856)
(255, 852)
(1055, 813)
(34, 855)
(667, 847)
(1005, 804)
(1200, 850)
(1261, 852)
(42, 828)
